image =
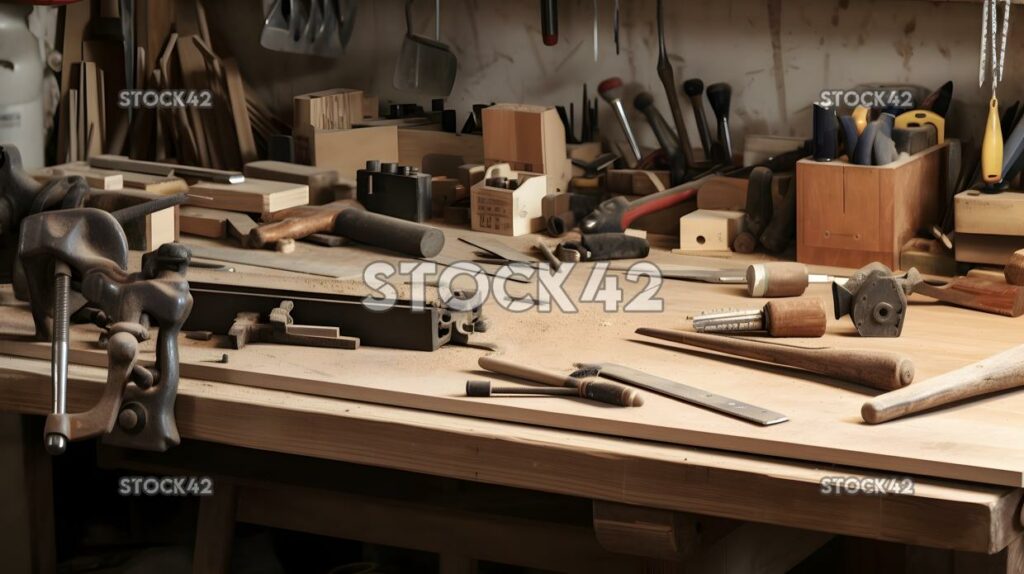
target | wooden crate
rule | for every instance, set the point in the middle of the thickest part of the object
(851, 215)
(508, 212)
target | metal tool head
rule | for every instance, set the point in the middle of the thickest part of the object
(874, 299)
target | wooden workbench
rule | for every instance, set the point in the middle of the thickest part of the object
(963, 518)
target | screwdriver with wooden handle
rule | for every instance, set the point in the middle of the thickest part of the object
(997, 373)
(803, 317)
(600, 391)
(876, 369)
(773, 279)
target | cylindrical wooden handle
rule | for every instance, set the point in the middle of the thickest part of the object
(294, 228)
(782, 279)
(803, 317)
(877, 369)
(1014, 270)
(610, 393)
(534, 374)
(998, 373)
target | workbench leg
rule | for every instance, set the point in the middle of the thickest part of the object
(26, 479)
(452, 563)
(1010, 560)
(215, 530)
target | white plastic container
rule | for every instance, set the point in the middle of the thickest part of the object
(21, 86)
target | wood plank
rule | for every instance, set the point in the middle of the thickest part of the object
(415, 143)
(204, 221)
(97, 179)
(321, 181)
(291, 262)
(251, 196)
(239, 112)
(989, 213)
(941, 514)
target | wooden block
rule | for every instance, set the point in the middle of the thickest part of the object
(988, 249)
(155, 184)
(470, 174)
(203, 221)
(444, 192)
(96, 178)
(636, 181)
(851, 215)
(334, 109)
(414, 143)
(161, 227)
(320, 180)
(929, 256)
(528, 138)
(508, 212)
(709, 230)
(723, 193)
(989, 213)
(251, 196)
(371, 107)
(347, 151)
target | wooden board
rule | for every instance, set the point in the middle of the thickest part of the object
(97, 179)
(978, 441)
(347, 151)
(203, 221)
(320, 180)
(414, 143)
(988, 249)
(989, 213)
(251, 196)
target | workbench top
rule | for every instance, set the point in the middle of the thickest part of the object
(551, 454)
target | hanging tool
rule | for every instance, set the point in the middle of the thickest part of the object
(600, 391)
(595, 30)
(720, 96)
(876, 369)
(803, 317)
(549, 21)
(644, 102)
(424, 65)
(997, 373)
(615, 27)
(993, 49)
(694, 89)
(611, 91)
(668, 80)
(679, 391)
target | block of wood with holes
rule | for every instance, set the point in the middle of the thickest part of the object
(851, 215)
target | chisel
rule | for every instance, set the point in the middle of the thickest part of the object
(668, 80)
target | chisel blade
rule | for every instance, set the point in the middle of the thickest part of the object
(682, 392)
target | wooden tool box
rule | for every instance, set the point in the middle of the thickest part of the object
(851, 215)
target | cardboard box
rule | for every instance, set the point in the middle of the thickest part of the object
(335, 109)
(505, 211)
(347, 151)
(851, 215)
(530, 139)
(709, 230)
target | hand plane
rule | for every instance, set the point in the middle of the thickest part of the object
(875, 300)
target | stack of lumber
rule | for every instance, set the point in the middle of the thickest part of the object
(221, 126)
(989, 227)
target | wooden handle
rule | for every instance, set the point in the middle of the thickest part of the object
(992, 146)
(978, 294)
(536, 375)
(998, 373)
(601, 391)
(293, 228)
(1014, 270)
(786, 279)
(860, 119)
(877, 369)
(796, 317)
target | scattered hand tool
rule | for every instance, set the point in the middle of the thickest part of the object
(484, 389)
(773, 279)
(600, 391)
(694, 89)
(940, 100)
(611, 91)
(992, 142)
(644, 102)
(681, 392)
(875, 300)
(997, 373)
(281, 329)
(549, 21)
(498, 249)
(603, 247)
(668, 80)
(758, 212)
(720, 96)
(785, 318)
(549, 255)
(876, 369)
(976, 293)
(424, 65)
(600, 164)
(615, 215)
(826, 136)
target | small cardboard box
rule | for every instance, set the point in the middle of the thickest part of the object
(529, 139)
(507, 211)
(851, 215)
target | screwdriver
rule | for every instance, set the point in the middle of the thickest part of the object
(772, 279)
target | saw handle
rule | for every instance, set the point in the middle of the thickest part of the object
(997, 373)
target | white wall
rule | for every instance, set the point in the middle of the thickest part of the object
(776, 70)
